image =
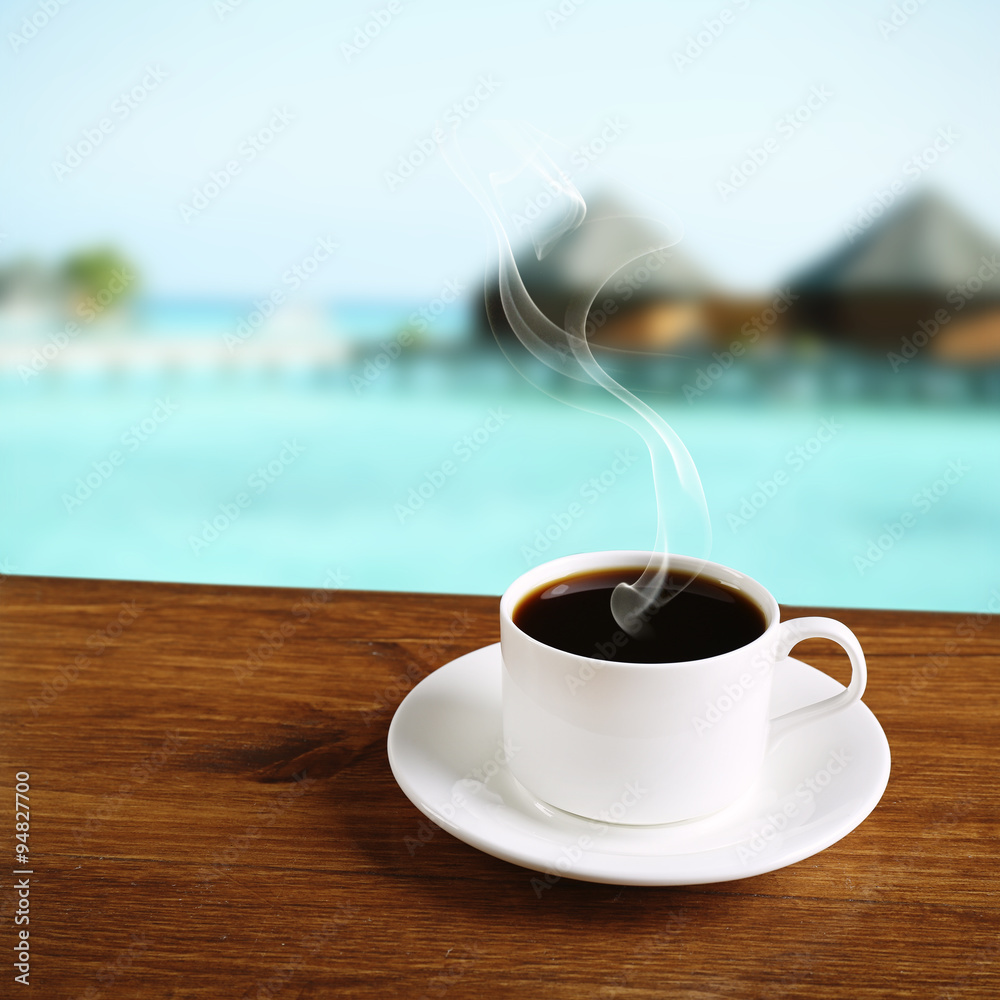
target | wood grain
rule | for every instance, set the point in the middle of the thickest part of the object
(213, 816)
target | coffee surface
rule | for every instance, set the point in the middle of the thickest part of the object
(697, 617)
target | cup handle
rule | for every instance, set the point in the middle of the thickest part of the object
(795, 631)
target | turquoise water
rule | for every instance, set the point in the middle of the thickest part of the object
(309, 481)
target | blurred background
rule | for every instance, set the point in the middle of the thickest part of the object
(242, 326)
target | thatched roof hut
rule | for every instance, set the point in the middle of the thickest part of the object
(922, 266)
(654, 303)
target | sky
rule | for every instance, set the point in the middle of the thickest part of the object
(291, 122)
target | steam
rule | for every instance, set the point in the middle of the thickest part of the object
(536, 181)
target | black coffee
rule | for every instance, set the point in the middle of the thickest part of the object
(693, 618)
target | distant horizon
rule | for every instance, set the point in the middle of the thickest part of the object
(861, 228)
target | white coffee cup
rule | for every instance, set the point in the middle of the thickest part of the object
(647, 743)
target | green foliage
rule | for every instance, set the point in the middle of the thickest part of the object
(100, 270)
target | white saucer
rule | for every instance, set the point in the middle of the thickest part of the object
(817, 784)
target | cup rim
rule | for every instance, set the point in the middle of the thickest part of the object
(561, 566)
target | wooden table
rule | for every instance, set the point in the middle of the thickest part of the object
(212, 815)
